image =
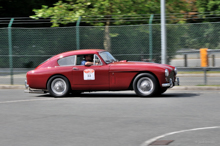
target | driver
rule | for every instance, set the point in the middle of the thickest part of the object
(88, 60)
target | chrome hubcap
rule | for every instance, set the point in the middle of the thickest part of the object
(145, 85)
(58, 86)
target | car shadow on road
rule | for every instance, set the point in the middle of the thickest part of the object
(179, 95)
(96, 95)
(115, 95)
(125, 95)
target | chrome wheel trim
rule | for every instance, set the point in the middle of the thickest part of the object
(145, 85)
(59, 86)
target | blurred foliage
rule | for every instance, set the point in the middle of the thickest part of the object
(70, 10)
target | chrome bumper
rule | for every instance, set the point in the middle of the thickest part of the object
(37, 91)
(29, 90)
(26, 85)
(171, 83)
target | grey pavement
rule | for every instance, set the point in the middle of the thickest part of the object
(110, 119)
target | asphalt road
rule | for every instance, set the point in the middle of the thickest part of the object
(109, 119)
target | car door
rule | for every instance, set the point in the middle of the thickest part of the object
(94, 77)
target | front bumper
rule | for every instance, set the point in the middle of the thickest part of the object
(171, 83)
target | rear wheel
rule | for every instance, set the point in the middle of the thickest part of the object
(76, 93)
(145, 85)
(58, 86)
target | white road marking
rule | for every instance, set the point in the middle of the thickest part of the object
(27, 100)
(146, 143)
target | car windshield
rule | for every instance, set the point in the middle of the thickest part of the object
(107, 57)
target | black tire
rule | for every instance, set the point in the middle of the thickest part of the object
(162, 90)
(145, 85)
(58, 86)
(76, 93)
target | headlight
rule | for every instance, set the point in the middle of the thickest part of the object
(175, 70)
(166, 73)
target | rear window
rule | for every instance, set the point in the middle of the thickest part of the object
(67, 61)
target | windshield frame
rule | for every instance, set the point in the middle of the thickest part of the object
(107, 57)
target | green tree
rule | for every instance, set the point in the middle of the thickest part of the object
(105, 10)
(208, 5)
(208, 9)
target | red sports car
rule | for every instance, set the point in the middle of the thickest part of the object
(71, 72)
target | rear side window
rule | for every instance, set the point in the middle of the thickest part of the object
(67, 61)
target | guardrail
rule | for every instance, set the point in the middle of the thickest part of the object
(15, 70)
(205, 69)
(211, 52)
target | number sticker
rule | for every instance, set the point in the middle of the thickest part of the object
(89, 74)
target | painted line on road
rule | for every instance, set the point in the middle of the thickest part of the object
(146, 143)
(27, 100)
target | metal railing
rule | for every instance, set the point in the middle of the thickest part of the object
(28, 47)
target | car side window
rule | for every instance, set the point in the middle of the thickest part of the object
(67, 61)
(97, 61)
(79, 59)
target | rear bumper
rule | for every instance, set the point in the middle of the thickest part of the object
(26, 85)
(37, 91)
(29, 90)
(171, 83)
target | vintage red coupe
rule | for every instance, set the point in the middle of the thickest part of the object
(65, 73)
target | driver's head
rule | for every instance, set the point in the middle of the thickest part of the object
(88, 57)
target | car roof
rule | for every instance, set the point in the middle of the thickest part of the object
(81, 51)
(73, 52)
(77, 52)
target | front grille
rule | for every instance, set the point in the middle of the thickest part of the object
(171, 76)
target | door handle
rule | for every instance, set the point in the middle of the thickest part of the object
(75, 68)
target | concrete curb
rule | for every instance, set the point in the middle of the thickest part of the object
(196, 88)
(174, 88)
(12, 87)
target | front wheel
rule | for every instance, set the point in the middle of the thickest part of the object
(145, 85)
(58, 86)
(162, 90)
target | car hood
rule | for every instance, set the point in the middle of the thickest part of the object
(143, 64)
